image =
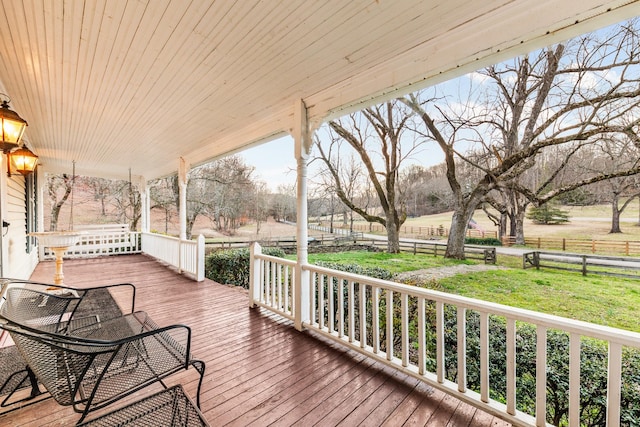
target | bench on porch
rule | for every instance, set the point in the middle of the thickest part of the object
(88, 350)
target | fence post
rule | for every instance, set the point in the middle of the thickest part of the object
(584, 265)
(536, 259)
(626, 248)
(254, 274)
(593, 246)
(415, 247)
(564, 244)
(539, 242)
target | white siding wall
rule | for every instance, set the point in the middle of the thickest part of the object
(17, 262)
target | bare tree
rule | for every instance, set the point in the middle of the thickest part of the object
(59, 188)
(162, 193)
(426, 190)
(570, 96)
(223, 191)
(616, 154)
(377, 136)
(101, 188)
(260, 208)
(283, 203)
(126, 197)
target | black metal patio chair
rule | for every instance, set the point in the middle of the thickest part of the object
(15, 374)
(88, 359)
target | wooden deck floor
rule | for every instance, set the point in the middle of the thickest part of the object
(260, 370)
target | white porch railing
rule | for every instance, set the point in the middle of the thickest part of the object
(97, 242)
(339, 311)
(116, 239)
(186, 255)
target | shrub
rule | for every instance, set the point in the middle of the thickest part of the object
(232, 266)
(487, 241)
(593, 369)
(376, 272)
(593, 364)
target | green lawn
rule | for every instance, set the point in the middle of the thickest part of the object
(395, 263)
(604, 300)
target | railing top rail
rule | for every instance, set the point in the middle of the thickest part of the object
(606, 333)
(102, 227)
(161, 236)
(276, 259)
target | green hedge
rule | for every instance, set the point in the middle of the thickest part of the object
(376, 272)
(231, 266)
(487, 241)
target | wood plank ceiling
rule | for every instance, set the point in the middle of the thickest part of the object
(137, 84)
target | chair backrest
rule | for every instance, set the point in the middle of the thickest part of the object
(37, 323)
(97, 302)
(42, 311)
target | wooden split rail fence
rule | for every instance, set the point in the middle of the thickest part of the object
(482, 253)
(586, 264)
(628, 248)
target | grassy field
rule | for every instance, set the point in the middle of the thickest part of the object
(588, 222)
(602, 300)
(606, 301)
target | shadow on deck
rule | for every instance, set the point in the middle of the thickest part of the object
(260, 370)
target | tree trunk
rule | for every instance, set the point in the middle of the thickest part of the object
(615, 215)
(457, 233)
(393, 237)
(55, 213)
(331, 222)
(512, 223)
(351, 221)
(519, 223)
(502, 226)
(190, 222)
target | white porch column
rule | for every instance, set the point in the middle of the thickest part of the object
(41, 181)
(183, 168)
(145, 206)
(302, 138)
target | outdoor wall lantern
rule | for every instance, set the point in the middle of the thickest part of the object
(22, 160)
(12, 126)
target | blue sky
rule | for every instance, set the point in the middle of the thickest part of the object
(274, 161)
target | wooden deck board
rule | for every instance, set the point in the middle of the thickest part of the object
(260, 370)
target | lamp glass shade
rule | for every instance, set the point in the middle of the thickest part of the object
(23, 161)
(12, 127)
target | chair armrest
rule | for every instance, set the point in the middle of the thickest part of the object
(124, 293)
(106, 302)
(127, 329)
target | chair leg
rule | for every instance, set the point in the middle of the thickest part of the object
(35, 390)
(200, 367)
(27, 374)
